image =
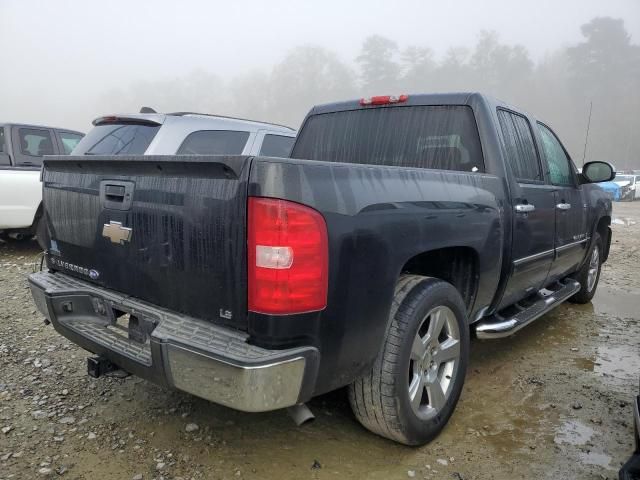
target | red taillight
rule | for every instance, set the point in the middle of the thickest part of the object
(383, 100)
(288, 257)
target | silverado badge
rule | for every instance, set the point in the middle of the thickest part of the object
(115, 232)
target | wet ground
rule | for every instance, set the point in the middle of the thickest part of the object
(551, 402)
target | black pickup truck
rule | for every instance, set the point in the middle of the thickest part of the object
(400, 226)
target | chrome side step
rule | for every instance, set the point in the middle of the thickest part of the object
(498, 326)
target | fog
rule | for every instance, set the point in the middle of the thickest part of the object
(65, 63)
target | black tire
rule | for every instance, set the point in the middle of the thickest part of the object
(587, 291)
(380, 398)
(42, 234)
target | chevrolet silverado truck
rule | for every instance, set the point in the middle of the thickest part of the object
(399, 227)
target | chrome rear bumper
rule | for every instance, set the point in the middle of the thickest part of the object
(186, 353)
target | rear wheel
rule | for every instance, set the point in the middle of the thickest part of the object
(415, 382)
(589, 275)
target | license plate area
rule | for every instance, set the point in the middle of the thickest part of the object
(134, 327)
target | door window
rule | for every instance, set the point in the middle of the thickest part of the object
(520, 148)
(557, 160)
(276, 146)
(35, 142)
(69, 141)
(214, 142)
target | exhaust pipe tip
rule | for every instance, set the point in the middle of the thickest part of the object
(300, 414)
(17, 236)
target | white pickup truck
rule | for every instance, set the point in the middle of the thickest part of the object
(21, 150)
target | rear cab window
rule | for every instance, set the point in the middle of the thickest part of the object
(117, 139)
(439, 137)
(214, 142)
(276, 145)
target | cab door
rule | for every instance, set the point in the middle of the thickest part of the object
(571, 236)
(534, 210)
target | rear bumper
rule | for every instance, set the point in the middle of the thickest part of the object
(182, 352)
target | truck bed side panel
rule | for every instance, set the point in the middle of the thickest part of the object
(378, 218)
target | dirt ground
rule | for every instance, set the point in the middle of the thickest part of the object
(552, 402)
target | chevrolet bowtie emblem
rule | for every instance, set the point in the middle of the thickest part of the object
(115, 232)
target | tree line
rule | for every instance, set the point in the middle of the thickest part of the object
(602, 70)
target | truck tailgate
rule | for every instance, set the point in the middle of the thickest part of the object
(170, 230)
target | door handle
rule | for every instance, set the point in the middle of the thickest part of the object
(563, 206)
(116, 194)
(525, 208)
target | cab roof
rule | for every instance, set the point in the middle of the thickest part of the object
(412, 99)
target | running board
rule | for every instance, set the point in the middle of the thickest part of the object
(498, 326)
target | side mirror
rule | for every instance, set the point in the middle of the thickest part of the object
(594, 172)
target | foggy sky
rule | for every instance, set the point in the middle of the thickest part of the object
(60, 56)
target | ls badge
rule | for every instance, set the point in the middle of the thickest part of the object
(115, 232)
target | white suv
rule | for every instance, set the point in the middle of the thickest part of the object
(184, 133)
(138, 134)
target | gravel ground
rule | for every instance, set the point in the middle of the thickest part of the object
(552, 402)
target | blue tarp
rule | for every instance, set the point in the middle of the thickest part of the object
(612, 188)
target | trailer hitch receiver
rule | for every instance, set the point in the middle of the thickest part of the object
(98, 366)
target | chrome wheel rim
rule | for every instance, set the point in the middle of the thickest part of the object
(434, 361)
(594, 265)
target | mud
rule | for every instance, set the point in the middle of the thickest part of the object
(551, 402)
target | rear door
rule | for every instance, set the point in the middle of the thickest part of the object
(534, 204)
(571, 238)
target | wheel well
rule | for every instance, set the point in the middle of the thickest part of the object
(602, 228)
(36, 217)
(456, 265)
